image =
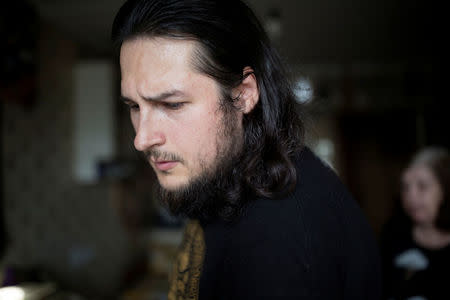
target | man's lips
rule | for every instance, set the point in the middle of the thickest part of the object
(164, 165)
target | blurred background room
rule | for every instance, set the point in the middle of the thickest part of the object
(78, 216)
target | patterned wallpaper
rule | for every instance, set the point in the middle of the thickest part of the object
(69, 231)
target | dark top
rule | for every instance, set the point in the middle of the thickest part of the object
(313, 244)
(410, 269)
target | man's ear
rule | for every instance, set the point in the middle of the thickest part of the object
(248, 91)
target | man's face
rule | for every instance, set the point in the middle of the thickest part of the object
(175, 111)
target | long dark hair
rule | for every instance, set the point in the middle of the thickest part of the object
(230, 38)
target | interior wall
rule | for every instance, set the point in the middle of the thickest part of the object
(67, 232)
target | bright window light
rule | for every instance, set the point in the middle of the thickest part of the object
(325, 150)
(12, 293)
(303, 90)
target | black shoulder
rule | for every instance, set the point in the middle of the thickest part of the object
(340, 242)
(314, 241)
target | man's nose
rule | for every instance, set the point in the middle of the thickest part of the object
(148, 134)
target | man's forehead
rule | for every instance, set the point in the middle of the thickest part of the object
(159, 49)
(155, 67)
(157, 56)
(153, 63)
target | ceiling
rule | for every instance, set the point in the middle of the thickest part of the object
(311, 31)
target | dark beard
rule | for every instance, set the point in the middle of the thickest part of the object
(205, 196)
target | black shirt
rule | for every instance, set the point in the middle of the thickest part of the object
(312, 244)
(411, 270)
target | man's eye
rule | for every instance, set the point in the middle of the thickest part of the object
(173, 105)
(132, 105)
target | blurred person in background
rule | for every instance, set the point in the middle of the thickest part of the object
(416, 242)
(216, 118)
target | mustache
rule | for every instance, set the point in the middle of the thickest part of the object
(161, 155)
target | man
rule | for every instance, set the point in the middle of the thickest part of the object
(216, 118)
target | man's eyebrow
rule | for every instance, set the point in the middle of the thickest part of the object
(158, 98)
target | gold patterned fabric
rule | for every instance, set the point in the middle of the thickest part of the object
(184, 279)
